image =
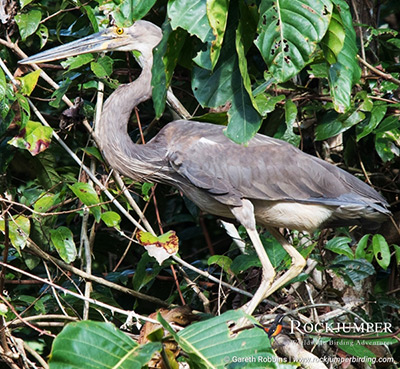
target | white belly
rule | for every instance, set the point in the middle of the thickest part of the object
(302, 217)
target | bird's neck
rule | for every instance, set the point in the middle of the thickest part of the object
(115, 143)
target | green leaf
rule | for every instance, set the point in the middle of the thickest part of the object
(19, 229)
(377, 113)
(332, 124)
(340, 245)
(63, 241)
(24, 109)
(276, 253)
(43, 34)
(86, 193)
(290, 118)
(387, 144)
(126, 12)
(146, 187)
(93, 151)
(389, 123)
(111, 218)
(166, 56)
(168, 241)
(217, 13)
(223, 261)
(364, 250)
(395, 42)
(346, 71)
(141, 8)
(144, 275)
(242, 61)
(44, 203)
(28, 23)
(59, 93)
(354, 349)
(100, 346)
(352, 270)
(226, 348)
(191, 15)
(266, 103)
(333, 41)
(381, 250)
(3, 85)
(243, 262)
(77, 61)
(92, 17)
(397, 253)
(289, 32)
(34, 137)
(225, 85)
(28, 82)
(103, 67)
(24, 3)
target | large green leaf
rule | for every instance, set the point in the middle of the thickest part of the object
(166, 56)
(333, 41)
(191, 15)
(125, 12)
(346, 71)
(289, 32)
(211, 344)
(97, 345)
(224, 85)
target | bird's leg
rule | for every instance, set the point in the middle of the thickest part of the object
(298, 262)
(245, 215)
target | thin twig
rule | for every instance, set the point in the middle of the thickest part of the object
(360, 31)
(78, 296)
(197, 290)
(384, 75)
(54, 290)
(37, 357)
(38, 251)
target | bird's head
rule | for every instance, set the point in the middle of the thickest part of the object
(142, 36)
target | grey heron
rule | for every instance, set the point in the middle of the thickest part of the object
(267, 182)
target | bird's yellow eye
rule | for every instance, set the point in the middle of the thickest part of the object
(119, 31)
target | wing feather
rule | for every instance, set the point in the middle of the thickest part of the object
(265, 169)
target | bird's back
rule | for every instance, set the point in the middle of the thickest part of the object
(269, 172)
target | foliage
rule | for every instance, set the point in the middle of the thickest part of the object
(295, 70)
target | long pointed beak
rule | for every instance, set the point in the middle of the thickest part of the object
(105, 40)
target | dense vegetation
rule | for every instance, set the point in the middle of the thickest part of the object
(321, 74)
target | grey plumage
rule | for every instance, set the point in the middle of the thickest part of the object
(267, 181)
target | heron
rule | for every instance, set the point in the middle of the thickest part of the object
(267, 182)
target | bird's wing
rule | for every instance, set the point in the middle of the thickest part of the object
(266, 169)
